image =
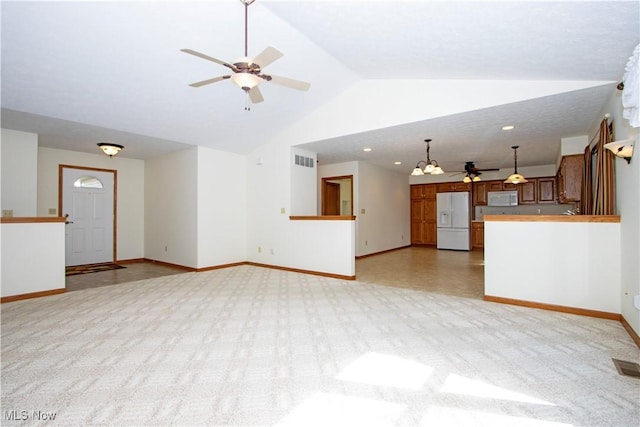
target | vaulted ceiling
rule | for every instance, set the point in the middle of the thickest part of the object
(78, 73)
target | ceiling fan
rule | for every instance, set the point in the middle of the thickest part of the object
(247, 72)
(472, 173)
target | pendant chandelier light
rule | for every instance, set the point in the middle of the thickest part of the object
(515, 177)
(431, 166)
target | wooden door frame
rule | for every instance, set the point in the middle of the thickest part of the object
(333, 178)
(115, 196)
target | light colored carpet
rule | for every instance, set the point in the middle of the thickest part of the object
(255, 346)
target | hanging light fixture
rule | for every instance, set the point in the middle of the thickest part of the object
(431, 166)
(471, 177)
(515, 177)
(110, 149)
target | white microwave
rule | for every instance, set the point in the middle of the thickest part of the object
(502, 198)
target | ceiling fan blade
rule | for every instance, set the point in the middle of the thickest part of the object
(267, 56)
(208, 58)
(209, 81)
(255, 95)
(290, 83)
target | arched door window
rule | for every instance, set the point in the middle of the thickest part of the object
(88, 182)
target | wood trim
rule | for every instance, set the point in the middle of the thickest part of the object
(30, 219)
(322, 218)
(383, 252)
(168, 264)
(297, 270)
(130, 261)
(218, 267)
(634, 336)
(552, 218)
(554, 307)
(32, 295)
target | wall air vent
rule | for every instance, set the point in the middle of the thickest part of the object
(306, 162)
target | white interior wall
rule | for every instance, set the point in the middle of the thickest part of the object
(170, 208)
(19, 171)
(628, 206)
(572, 264)
(274, 239)
(22, 245)
(303, 180)
(384, 218)
(131, 188)
(221, 198)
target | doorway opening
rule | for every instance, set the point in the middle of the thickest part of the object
(337, 195)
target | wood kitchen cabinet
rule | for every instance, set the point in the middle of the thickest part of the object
(569, 178)
(477, 234)
(528, 192)
(447, 187)
(547, 190)
(423, 214)
(480, 190)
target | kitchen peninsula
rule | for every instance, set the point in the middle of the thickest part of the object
(567, 263)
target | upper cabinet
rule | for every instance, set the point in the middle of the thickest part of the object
(536, 190)
(570, 178)
(547, 190)
(446, 187)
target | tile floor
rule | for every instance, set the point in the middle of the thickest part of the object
(456, 273)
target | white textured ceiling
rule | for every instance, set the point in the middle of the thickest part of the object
(82, 72)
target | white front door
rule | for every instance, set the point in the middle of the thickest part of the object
(88, 204)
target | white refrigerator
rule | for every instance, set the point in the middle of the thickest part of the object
(453, 221)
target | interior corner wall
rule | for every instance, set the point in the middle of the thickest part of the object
(383, 216)
(222, 215)
(130, 202)
(170, 208)
(628, 206)
(19, 171)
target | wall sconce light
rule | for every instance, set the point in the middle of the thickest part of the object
(622, 148)
(110, 149)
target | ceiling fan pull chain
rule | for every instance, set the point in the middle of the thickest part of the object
(247, 106)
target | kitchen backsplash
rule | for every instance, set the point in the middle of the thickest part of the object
(480, 211)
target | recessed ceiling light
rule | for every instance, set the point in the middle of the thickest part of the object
(508, 127)
(397, 163)
(366, 149)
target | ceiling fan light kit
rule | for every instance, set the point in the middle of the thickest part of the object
(515, 177)
(247, 72)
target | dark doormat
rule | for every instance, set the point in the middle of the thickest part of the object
(93, 268)
(629, 369)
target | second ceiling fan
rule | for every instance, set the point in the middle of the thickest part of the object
(248, 72)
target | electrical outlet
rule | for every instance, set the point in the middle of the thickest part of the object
(272, 251)
(362, 211)
(259, 249)
(52, 211)
(282, 210)
(165, 248)
(7, 212)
